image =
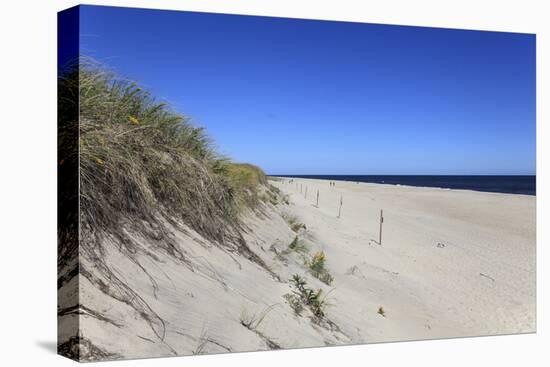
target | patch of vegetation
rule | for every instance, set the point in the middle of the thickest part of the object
(298, 246)
(285, 200)
(295, 302)
(381, 311)
(253, 320)
(272, 195)
(141, 160)
(245, 181)
(294, 223)
(313, 299)
(317, 268)
(274, 189)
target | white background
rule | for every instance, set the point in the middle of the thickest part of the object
(28, 180)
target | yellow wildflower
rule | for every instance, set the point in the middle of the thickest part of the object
(319, 257)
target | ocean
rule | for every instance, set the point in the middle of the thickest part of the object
(525, 185)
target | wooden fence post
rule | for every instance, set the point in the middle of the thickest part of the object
(317, 205)
(381, 221)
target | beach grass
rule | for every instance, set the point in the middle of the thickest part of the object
(141, 160)
(317, 268)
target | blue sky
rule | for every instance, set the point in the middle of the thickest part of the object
(317, 97)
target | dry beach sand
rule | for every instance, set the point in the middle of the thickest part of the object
(452, 263)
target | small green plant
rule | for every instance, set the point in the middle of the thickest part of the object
(298, 246)
(381, 311)
(313, 299)
(274, 189)
(253, 320)
(317, 263)
(294, 243)
(285, 200)
(295, 303)
(326, 278)
(294, 223)
(317, 268)
(296, 227)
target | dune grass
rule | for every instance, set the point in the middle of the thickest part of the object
(317, 268)
(245, 181)
(293, 222)
(143, 170)
(142, 164)
(309, 297)
(298, 246)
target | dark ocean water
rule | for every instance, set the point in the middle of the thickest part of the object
(525, 185)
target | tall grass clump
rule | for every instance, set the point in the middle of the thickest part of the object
(298, 246)
(143, 165)
(317, 268)
(303, 295)
(245, 181)
(293, 222)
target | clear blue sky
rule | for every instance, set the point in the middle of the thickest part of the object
(317, 97)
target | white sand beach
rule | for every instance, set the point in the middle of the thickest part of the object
(451, 264)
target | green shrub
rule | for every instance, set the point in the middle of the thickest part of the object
(298, 246)
(294, 223)
(317, 268)
(295, 303)
(311, 298)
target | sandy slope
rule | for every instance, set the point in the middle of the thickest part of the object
(480, 281)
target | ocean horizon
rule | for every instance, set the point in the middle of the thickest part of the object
(506, 184)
